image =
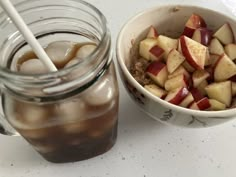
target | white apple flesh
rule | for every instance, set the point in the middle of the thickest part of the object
(224, 68)
(230, 50)
(174, 60)
(178, 71)
(167, 44)
(216, 105)
(225, 34)
(216, 47)
(220, 91)
(176, 82)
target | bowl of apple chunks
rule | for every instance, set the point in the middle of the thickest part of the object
(183, 62)
(196, 70)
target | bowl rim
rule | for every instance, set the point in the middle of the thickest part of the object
(214, 114)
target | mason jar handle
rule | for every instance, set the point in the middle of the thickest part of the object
(5, 127)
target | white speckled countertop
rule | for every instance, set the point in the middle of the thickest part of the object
(145, 148)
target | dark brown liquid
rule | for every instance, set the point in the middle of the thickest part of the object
(87, 139)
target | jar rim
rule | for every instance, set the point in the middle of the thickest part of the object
(11, 75)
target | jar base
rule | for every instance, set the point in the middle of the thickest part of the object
(91, 149)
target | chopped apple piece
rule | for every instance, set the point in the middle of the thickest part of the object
(224, 68)
(167, 44)
(155, 90)
(174, 60)
(202, 35)
(177, 95)
(187, 101)
(230, 50)
(216, 47)
(195, 21)
(194, 52)
(157, 71)
(221, 91)
(156, 53)
(145, 46)
(216, 105)
(199, 76)
(152, 33)
(225, 34)
(176, 82)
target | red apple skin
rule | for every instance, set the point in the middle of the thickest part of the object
(155, 67)
(157, 51)
(204, 36)
(188, 31)
(195, 21)
(179, 97)
(204, 103)
(197, 95)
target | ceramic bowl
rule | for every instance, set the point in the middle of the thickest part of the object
(169, 20)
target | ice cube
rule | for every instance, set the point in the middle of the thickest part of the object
(94, 111)
(73, 114)
(72, 111)
(85, 50)
(33, 66)
(71, 63)
(101, 93)
(60, 52)
(75, 127)
(35, 115)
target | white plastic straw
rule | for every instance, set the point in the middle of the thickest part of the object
(27, 34)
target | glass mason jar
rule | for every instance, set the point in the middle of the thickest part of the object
(71, 114)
